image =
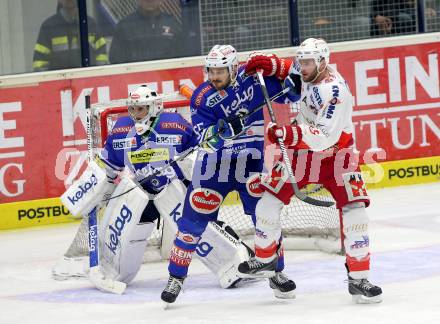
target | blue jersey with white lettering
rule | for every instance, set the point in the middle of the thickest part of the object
(169, 135)
(208, 105)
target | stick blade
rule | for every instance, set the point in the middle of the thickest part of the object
(106, 284)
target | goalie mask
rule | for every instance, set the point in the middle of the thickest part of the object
(144, 105)
(221, 56)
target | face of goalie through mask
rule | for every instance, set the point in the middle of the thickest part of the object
(144, 105)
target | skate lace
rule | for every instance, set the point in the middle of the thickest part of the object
(254, 263)
(362, 283)
(174, 286)
(280, 278)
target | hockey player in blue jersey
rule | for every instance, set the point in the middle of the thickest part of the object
(235, 161)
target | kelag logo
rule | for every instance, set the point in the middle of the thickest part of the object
(83, 189)
(116, 229)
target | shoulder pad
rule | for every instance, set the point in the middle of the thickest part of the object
(200, 93)
(122, 126)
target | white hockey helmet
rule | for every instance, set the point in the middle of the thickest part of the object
(313, 48)
(150, 101)
(223, 56)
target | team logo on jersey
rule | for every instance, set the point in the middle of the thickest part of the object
(205, 201)
(125, 143)
(355, 187)
(216, 97)
(253, 186)
(169, 139)
(149, 155)
(246, 96)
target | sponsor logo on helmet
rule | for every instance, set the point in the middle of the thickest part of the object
(149, 155)
(216, 97)
(135, 96)
(227, 50)
(253, 186)
(205, 201)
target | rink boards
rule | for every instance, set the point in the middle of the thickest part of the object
(380, 175)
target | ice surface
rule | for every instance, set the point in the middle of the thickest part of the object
(405, 244)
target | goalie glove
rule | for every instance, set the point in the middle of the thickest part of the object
(269, 63)
(290, 134)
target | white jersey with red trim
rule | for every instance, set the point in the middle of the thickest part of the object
(325, 114)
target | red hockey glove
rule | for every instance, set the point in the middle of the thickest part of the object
(290, 134)
(269, 63)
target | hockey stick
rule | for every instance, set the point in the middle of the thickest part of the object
(286, 159)
(194, 148)
(95, 274)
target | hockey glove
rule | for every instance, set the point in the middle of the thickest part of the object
(290, 134)
(293, 81)
(230, 128)
(269, 63)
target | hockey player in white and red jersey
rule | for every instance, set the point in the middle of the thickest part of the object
(322, 138)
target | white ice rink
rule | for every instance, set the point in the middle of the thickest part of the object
(405, 244)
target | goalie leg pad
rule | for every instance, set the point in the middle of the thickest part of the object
(221, 253)
(122, 237)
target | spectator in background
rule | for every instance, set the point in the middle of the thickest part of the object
(146, 34)
(392, 17)
(58, 44)
(191, 28)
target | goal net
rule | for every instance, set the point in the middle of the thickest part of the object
(304, 226)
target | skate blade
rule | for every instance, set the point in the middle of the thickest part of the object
(361, 299)
(284, 295)
(166, 305)
(262, 274)
(63, 277)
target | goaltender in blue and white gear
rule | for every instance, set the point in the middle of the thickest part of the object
(141, 143)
